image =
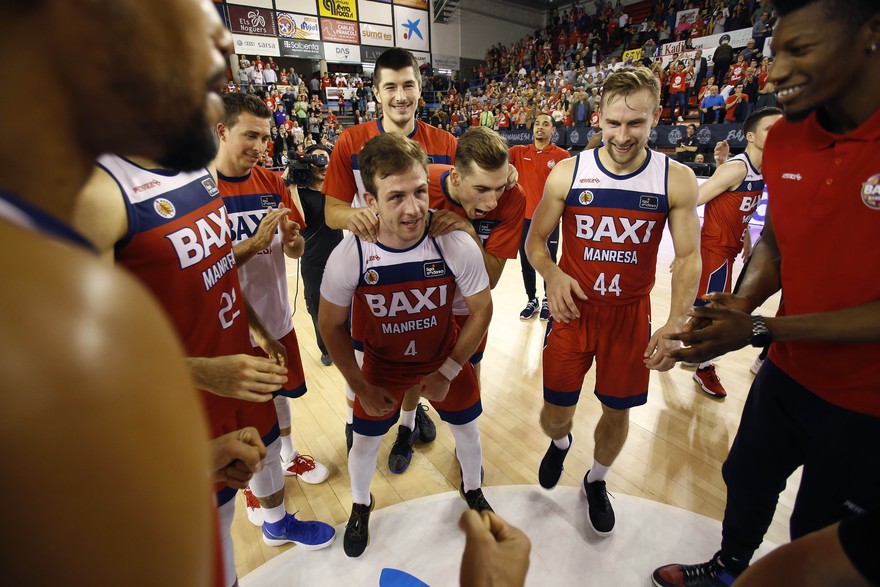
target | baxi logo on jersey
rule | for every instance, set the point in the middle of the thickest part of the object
(164, 208)
(435, 269)
(871, 192)
(585, 197)
(371, 277)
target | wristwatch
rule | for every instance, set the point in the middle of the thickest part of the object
(761, 335)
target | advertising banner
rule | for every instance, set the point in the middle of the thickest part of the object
(411, 29)
(345, 9)
(303, 6)
(298, 26)
(376, 34)
(336, 53)
(450, 62)
(422, 4)
(370, 54)
(378, 12)
(248, 20)
(256, 3)
(340, 31)
(253, 45)
(301, 49)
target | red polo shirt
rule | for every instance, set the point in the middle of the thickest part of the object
(825, 204)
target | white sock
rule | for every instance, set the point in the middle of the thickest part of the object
(288, 451)
(269, 480)
(469, 451)
(564, 442)
(361, 465)
(408, 418)
(598, 472)
(272, 515)
(704, 365)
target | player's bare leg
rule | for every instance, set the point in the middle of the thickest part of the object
(610, 436)
(556, 423)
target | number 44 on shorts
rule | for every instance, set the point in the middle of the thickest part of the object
(612, 287)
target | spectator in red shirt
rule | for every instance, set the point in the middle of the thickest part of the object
(737, 106)
(737, 70)
(677, 85)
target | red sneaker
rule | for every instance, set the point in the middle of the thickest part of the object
(709, 381)
(254, 511)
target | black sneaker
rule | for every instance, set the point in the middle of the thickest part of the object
(424, 424)
(349, 437)
(601, 515)
(475, 499)
(326, 360)
(401, 452)
(545, 310)
(710, 574)
(529, 310)
(550, 471)
(357, 531)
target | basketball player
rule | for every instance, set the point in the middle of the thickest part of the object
(171, 229)
(534, 163)
(614, 202)
(815, 400)
(88, 358)
(250, 193)
(473, 196)
(731, 196)
(397, 85)
(405, 282)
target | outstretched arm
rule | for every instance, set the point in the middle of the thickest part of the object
(684, 226)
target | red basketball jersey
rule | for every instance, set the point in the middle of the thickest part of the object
(612, 226)
(726, 217)
(500, 230)
(343, 179)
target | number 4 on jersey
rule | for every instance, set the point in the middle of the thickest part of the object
(613, 286)
(410, 349)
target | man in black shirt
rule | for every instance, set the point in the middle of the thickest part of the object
(320, 242)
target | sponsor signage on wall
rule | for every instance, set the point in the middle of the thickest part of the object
(346, 9)
(298, 26)
(249, 20)
(340, 31)
(255, 3)
(336, 53)
(423, 4)
(421, 58)
(301, 49)
(376, 34)
(450, 62)
(254, 45)
(736, 38)
(369, 53)
(379, 12)
(411, 29)
(303, 6)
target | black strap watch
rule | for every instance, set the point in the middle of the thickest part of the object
(761, 335)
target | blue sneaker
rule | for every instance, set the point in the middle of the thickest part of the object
(308, 535)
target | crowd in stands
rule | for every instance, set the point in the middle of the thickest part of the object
(558, 70)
